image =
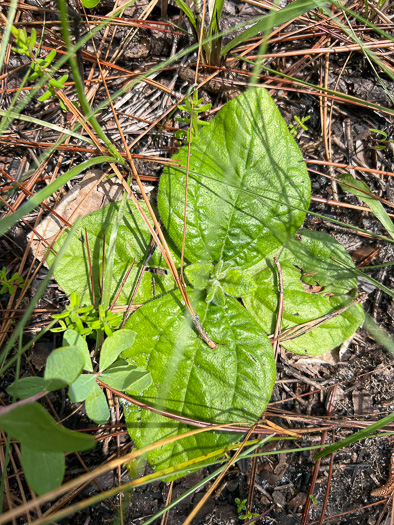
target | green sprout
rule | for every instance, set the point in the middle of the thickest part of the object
(299, 124)
(85, 320)
(24, 45)
(11, 284)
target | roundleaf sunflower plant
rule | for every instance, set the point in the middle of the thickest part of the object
(248, 194)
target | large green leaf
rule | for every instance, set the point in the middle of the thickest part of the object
(248, 185)
(317, 253)
(44, 471)
(232, 383)
(133, 242)
(313, 288)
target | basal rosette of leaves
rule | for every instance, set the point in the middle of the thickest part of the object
(248, 193)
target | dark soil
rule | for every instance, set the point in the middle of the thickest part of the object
(361, 370)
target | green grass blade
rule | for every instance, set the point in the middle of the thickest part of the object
(362, 434)
(7, 31)
(376, 206)
(367, 278)
(188, 12)
(110, 256)
(216, 15)
(46, 192)
(45, 124)
(380, 335)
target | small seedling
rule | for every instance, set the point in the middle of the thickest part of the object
(241, 506)
(10, 284)
(113, 371)
(85, 320)
(313, 499)
(66, 366)
(192, 106)
(383, 141)
(299, 124)
(24, 45)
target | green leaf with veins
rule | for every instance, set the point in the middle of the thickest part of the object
(248, 185)
(232, 383)
(133, 242)
(73, 338)
(113, 346)
(31, 424)
(300, 304)
(315, 253)
(81, 389)
(27, 387)
(63, 366)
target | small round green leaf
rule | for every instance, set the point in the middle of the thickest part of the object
(123, 376)
(63, 367)
(82, 388)
(73, 338)
(89, 4)
(97, 407)
(114, 345)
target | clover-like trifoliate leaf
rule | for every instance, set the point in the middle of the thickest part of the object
(248, 185)
(133, 242)
(231, 383)
(304, 302)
